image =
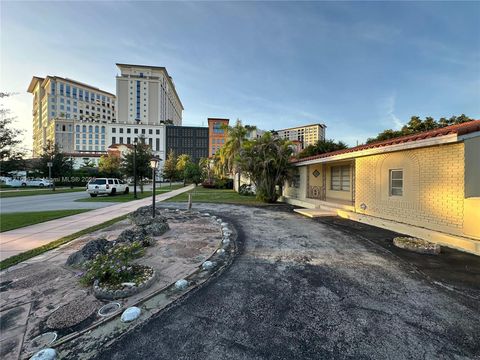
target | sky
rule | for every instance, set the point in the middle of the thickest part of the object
(357, 67)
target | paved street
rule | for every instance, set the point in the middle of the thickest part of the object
(54, 201)
(61, 201)
(306, 289)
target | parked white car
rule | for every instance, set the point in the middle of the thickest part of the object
(39, 182)
(107, 186)
(28, 182)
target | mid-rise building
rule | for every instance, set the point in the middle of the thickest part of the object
(217, 135)
(189, 140)
(307, 135)
(147, 95)
(71, 114)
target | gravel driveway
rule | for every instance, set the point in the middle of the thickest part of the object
(301, 289)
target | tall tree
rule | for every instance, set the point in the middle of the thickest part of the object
(109, 165)
(182, 161)
(11, 156)
(416, 125)
(322, 147)
(60, 163)
(267, 162)
(142, 161)
(192, 173)
(170, 167)
(229, 152)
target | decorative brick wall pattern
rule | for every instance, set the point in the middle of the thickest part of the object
(433, 187)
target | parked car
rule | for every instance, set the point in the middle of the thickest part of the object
(28, 182)
(39, 182)
(108, 186)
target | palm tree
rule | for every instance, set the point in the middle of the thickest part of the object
(267, 163)
(230, 151)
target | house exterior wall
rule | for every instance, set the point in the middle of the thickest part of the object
(440, 200)
(433, 193)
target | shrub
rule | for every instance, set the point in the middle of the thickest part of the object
(218, 184)
(115, 266)
(247, 190)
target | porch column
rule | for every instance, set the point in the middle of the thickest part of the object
(324, 182)
(352, 170)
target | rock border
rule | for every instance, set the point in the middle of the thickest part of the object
(417, 245)
(106, 294)
(202, 277)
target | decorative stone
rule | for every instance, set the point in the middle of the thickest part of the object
(207, 265)
(219, 220)
(41, 341)
(224, 224)
(156, 229)
(130, 314)
(72, 313)
(221, 252)
(109, 309)
(417, 245)
(181, 284)
(89, 251)
(206, 214)
(130, 235)
(45, 354)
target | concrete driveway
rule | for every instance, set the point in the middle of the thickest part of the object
(304, 289)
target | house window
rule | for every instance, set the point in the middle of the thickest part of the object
(340, 179)
(396, 182)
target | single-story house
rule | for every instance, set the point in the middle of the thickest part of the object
(425, 185)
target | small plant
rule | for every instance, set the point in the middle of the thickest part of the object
(246, 190)
(115, 266)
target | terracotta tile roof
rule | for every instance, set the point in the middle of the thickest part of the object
(116, 146)
(460, 129)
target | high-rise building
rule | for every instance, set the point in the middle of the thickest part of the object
(217, 135)
(307, 135)
(147, 95)
(71, 114)
(189, 140)
(84, 120)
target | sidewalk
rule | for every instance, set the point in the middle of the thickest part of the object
(19, 240)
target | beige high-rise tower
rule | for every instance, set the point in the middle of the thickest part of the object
(71, 114)
(147, 96)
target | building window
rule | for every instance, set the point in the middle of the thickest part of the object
(157, 132)
(340, 179)
(114, 140)
(114, 130)
(128, 130)
(135, 131)
(217, 128)
(396, 182)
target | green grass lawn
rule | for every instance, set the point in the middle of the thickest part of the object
(12, 221)
(205, 195)
(30, 192)
(129, 197)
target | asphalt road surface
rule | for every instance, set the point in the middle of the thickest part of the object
(61, 201)
(306, 289)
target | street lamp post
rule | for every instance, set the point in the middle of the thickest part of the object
(153, 164)
(135, 168)
(50, 164)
